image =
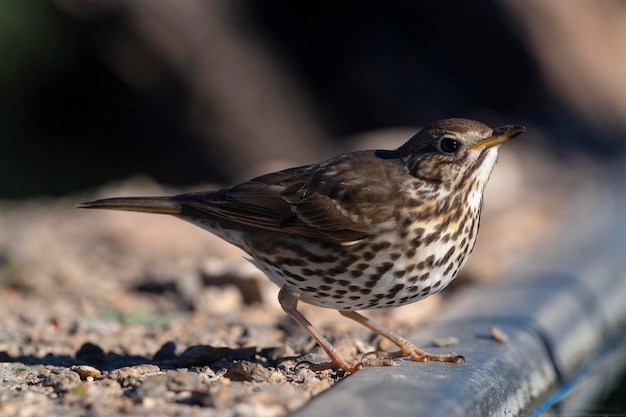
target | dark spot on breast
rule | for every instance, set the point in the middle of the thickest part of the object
(410, 253)
(317, 259)
(459, 230)
(362, 266)
(395, 290)
(372, 282)
(426, 263)
(328, 280)
(347, 260)
(443, 225)
(355, 297)
(430, 238)
(307, 272)
(356, 274)
(368, 256)
(446, 257)
(325, 287)
(424, 276)
(281, 260)
(384, 267)
(294, 276)
(399, 273)
(365, 291)
(354, 288)
(338, 270)
(416, 242)
(377, 247)
(449, 268)
(394, 256)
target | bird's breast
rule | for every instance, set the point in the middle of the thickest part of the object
(396, 264)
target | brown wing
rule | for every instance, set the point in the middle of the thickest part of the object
(340, 199)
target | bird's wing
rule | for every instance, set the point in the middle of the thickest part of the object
(333, 200)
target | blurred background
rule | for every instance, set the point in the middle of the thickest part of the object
(216, 91)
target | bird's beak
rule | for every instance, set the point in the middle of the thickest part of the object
(500, 134)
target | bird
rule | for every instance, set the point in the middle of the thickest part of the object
(370, 229)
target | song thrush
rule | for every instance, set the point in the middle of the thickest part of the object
(369, 229)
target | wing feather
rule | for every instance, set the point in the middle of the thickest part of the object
(335, 200)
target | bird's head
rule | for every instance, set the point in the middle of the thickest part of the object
(451, 151)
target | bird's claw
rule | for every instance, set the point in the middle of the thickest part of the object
(349, 366)
(417, 355)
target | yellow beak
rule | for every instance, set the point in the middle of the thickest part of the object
(500, 135)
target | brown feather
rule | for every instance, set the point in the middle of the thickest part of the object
(305, 200)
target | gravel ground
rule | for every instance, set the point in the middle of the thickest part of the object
(106, 313)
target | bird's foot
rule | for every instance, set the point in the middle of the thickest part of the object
(417, 355)
(348, 365)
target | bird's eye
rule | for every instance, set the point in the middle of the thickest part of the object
(448, 145)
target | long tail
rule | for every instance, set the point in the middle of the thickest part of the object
(160, 205)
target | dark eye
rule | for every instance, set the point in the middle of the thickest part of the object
(448, 145)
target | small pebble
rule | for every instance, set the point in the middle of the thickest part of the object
(179, 381)
(445, 341)
(61, 380)
(248, 371)
(154, 386)
(86, 371)
(498, 335)
(134, 371)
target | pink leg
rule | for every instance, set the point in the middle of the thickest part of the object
(406, 348)
(289, 302)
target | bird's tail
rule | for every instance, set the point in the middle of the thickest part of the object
(160, 205)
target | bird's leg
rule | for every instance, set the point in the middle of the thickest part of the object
(406, 348)
(288, 300)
